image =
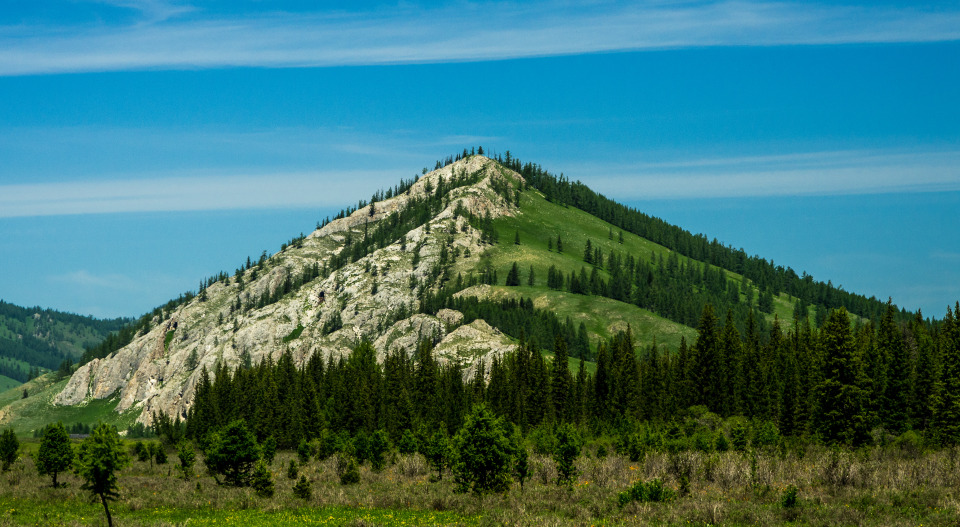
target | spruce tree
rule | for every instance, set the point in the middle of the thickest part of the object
(842, 415)
(946, 420)
(483, 455)
(55, 454)
(9, 448)
(101, 456)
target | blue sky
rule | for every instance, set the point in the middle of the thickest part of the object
(147, 144)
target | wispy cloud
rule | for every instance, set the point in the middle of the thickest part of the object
(84, 278)
(173, 37)
(182, 193)
(816, 173)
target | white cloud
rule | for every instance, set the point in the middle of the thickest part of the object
(84, 278)
(171, 37)
(817, 173)
(188, 192)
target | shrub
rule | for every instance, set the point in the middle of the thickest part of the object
(159, 453)
(141, 451)
(262, 480)
(55, 454)
(303, 488)
(408, 443)
(232, 452)
(654, 491)
(566, 453)
(378, 447)
(348, 469)
(268, 450)
(292, 470)
(483, 454)
(303, 452)
(9, 448)
(187, 456)
(789, 500)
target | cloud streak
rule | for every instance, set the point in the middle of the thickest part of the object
(184, 193)
(818, 173)
(807, 174)
(182, 38)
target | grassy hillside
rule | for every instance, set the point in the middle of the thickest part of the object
(537, 228)
(36, 410)
(35, 338)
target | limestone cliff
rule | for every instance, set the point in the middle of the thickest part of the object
(373, 298)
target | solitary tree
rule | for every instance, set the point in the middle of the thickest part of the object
(187, 456)
(566, 453)
(483, 453)
(9, 448)
(233, 453)
(55, 454)
(101, 457)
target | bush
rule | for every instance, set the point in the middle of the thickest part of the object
(232, 452)
(56, 453)
(408, 443)
(187, 456)
(654, 491)
(9, 448)
(566, 453)
(543, 441)
(159, 453)
(268, 450)
(739, 434)
(326, 444)
(378, 447)
(348, 469)
(483, 454)
(789, 500)
(141, 451)
(292, 470)
(303, 488)
(262, 480)
(303, 452)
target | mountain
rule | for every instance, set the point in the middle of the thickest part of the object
(474, 256)
(34, 339)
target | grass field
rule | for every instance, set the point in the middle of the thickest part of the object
(868, 487)
(38, 410)
(7, 383)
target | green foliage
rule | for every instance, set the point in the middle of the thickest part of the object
(842, 415)
(55, 454)
(408, 443)
(187, 457)
(262, 480)
(348, 470)
(293, 335)
(268, 449)
(158, 452)
(483, 454)
(437, 452)
(292, 470)
(567, 451)
(521, 464)
(789, 500)
(100, 457)
(9, 448)
(304, 452)
(652, 491)
(142, 452)
(232, 453)
(303, 489)
(378, 448)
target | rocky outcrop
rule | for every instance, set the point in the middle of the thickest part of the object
(374, 298)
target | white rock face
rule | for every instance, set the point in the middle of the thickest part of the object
(150, 376)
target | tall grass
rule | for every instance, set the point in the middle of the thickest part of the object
(866, 487)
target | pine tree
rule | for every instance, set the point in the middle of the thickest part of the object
(513, 277)
(560, 381)
(55, 454)
(531, 279)
(101, 456)
(483, 455)
(516, 237)
(9, 448)
(946, 419)
(895, 402)
(707, 361)
(842, 412)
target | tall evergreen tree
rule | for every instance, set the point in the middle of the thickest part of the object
(842, 415)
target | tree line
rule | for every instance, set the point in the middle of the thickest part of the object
(842, 383)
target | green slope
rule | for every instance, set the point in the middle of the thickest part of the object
(537, 227)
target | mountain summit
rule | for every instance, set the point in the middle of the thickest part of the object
(359, 277)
